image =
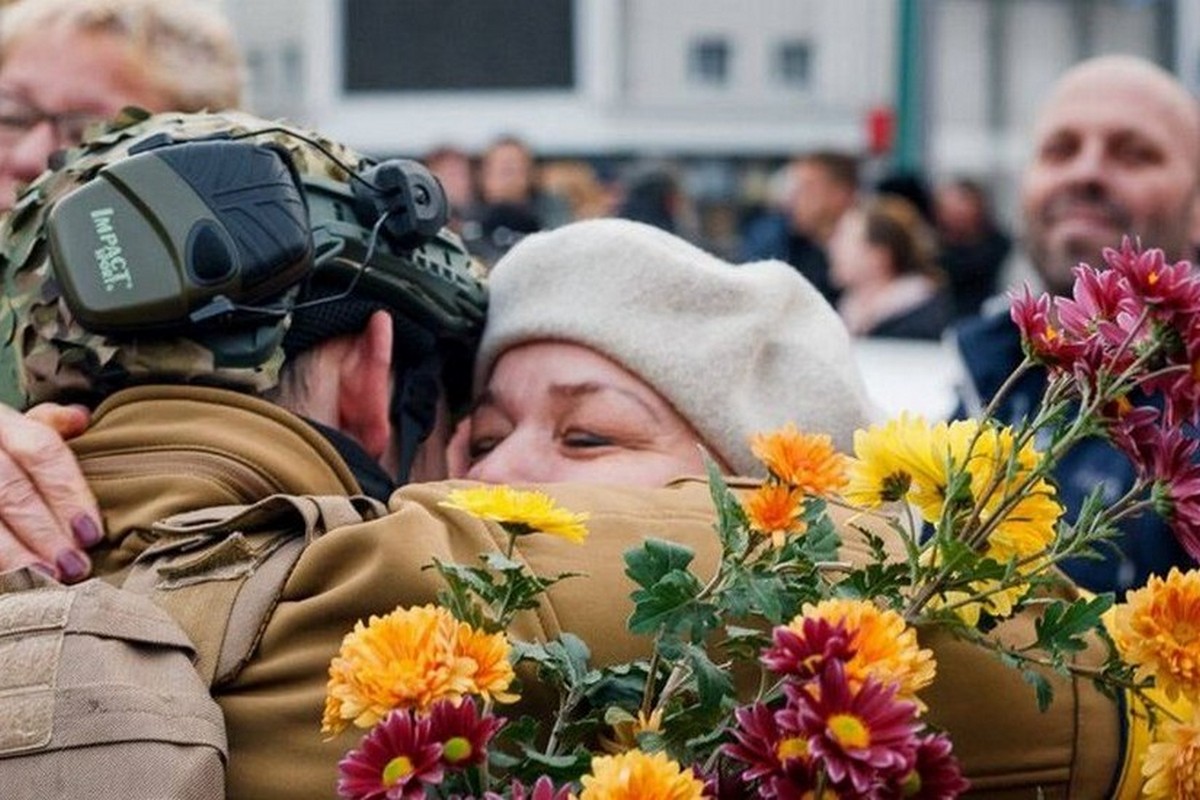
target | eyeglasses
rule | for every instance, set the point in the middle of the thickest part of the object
(18, 117)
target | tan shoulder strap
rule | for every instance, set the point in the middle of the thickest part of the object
(219, 571)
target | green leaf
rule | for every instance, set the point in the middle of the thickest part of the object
(1062, 626)
(670, 605)
(744, 644)
(758, 592)
(731, 519)
(501, 563)
(651, 742)
(874, 581)
(1041, 688)
(713, 683)
(821, 541)
(648, 564)
(565, 659)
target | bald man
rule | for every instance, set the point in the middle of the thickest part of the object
(1116, 152)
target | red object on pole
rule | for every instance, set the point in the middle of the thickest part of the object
(881, 130)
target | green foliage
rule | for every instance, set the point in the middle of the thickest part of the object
(1062, 628)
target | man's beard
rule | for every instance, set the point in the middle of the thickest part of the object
(1056, 260)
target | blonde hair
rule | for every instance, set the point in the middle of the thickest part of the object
(186, 47)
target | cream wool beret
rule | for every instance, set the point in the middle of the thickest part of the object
(736, 349)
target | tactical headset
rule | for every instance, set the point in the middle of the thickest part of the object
(224, 240)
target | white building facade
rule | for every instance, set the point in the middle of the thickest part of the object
(709, 78)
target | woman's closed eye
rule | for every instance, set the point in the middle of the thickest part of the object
(585, 439)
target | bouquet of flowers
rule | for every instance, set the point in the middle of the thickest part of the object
(793, 670)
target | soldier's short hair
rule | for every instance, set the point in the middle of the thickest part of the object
(185, 46)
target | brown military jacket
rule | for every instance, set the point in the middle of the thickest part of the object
(156, 451)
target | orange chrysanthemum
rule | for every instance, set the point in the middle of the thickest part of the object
(493, 672)
(885, 648)
(639, 776)
(775, 509)
(411, 658)
(1157, 629)
(806, 461)
(1171, 766)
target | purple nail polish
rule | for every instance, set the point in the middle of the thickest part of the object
(73, 565)
(86, 531)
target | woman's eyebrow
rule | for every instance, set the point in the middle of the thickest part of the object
(591, 388)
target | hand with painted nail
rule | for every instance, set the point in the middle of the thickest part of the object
(48, 516)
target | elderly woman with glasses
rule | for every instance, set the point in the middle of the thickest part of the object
(70, 64)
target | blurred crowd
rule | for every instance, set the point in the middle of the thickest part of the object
(898, 257)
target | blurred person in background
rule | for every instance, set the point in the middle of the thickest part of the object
(823, 185)
(1116, 153)
(510, 206)
(453, 169)
(911, 186)
(883, 258)
(653, 195)
(68, 64)
(973, 247)
(577, 184)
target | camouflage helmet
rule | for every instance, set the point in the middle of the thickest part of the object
(46, 353)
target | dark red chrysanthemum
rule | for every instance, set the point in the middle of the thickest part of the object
(543, 789)
(1098, 298)
(803, 655)
(723, 784)
(863, 739)
(763, 744)
(935, 776)
(1167, 289)
(1178, 475)
(1135, 432)
(461, 732)
(1041, 337)
(395, 761)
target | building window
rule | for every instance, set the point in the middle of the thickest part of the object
(708, 61)
(793, 63)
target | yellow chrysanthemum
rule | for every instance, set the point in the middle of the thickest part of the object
(897, 460)
(775, 509)
(908, 459)
(991, 459)
(493, 672)
(520, 511)
(411, 658)
(807, 462)
(639, 776)
(885, 648)
(1171, 766)
(1157, 629)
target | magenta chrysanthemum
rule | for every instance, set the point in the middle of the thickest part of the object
(462, 733)
(863, 739)
(936, 774)
(803, 655)
(395, 761)
(1041, 336)
(1165, 288)
(764, 745)
(542, 789)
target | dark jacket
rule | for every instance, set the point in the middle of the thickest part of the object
(990, 348)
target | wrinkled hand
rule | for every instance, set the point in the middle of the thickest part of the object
(48, 516)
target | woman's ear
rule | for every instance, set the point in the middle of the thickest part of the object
(365, 386)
